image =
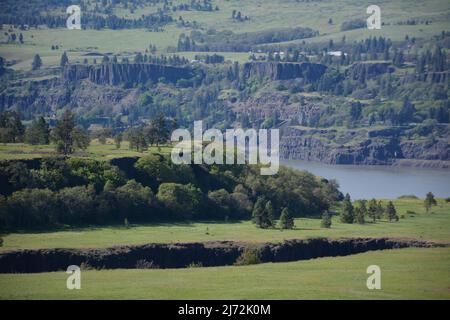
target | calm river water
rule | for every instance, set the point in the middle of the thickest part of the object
(380, 181)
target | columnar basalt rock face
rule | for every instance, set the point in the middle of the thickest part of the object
(128, 73)
(284, 70)
(315, 145)
(181, 255)
(367, 147)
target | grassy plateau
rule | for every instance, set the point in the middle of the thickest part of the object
(405, 274)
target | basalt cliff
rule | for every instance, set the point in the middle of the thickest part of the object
(124, 73)
(284, 70)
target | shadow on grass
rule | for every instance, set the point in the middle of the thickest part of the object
(84, 228)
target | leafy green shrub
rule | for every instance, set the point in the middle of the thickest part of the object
(195, 265)
(78, 205)
(248, 257)
(326, 220)
(144, 264)
(31, 208)
(182, 201)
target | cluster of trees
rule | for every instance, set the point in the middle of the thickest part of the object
(66, 135)
(78, 191)
(11, 127)
(373, 209)
(238, 16)
(34, 16)
(263, 215)
(214, 40)
(353, 24)
(156, 133)
(431, 61)
(12, 37)
(173, 60)
(210, 59)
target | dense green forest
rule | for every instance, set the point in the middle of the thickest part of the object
(75, 191)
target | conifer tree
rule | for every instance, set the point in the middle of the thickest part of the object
(286, 220)
(64, 59)
(391, 213)
(429, 201)
(326, 220)
(347, 214)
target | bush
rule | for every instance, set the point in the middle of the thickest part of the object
(31, 208)
(248, 256)
(326, 220)
(144, 264)
(78, 205)
(408, 196)
(182, 201)
(195, 265)
(133, 201)
(157, 169)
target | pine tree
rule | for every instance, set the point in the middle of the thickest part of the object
(269, 214)
(391, 213)
(262, 214)
(326, 220)
(373, 209)
(118, 140)
(67, 137)
(258, 212)
(286, 220)
(64, 59)
(38, 132)
(37, 62)
(359, 215)
(429, 201)
(347, 214)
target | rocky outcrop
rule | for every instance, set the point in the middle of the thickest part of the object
(352, 147)
(368, 70)
(426, 150)
(284, 70)
(124, 73)
(180, 255)
(387, 146)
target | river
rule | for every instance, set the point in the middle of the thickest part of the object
(383, 182)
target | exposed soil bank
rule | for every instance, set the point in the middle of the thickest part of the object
(180, 255)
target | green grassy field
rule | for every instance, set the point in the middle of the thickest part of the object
(95, 150)
(433, 226)
(405, 274)
(263, 15)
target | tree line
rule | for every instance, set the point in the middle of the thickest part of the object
(76, 191)
(66, 136)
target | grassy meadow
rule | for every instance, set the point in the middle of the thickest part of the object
(433, 226)
(96, 150)
(263, 15)
(405, 274)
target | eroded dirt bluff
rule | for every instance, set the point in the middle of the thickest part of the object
(180, 255)
(130, 73)
(284, 70)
